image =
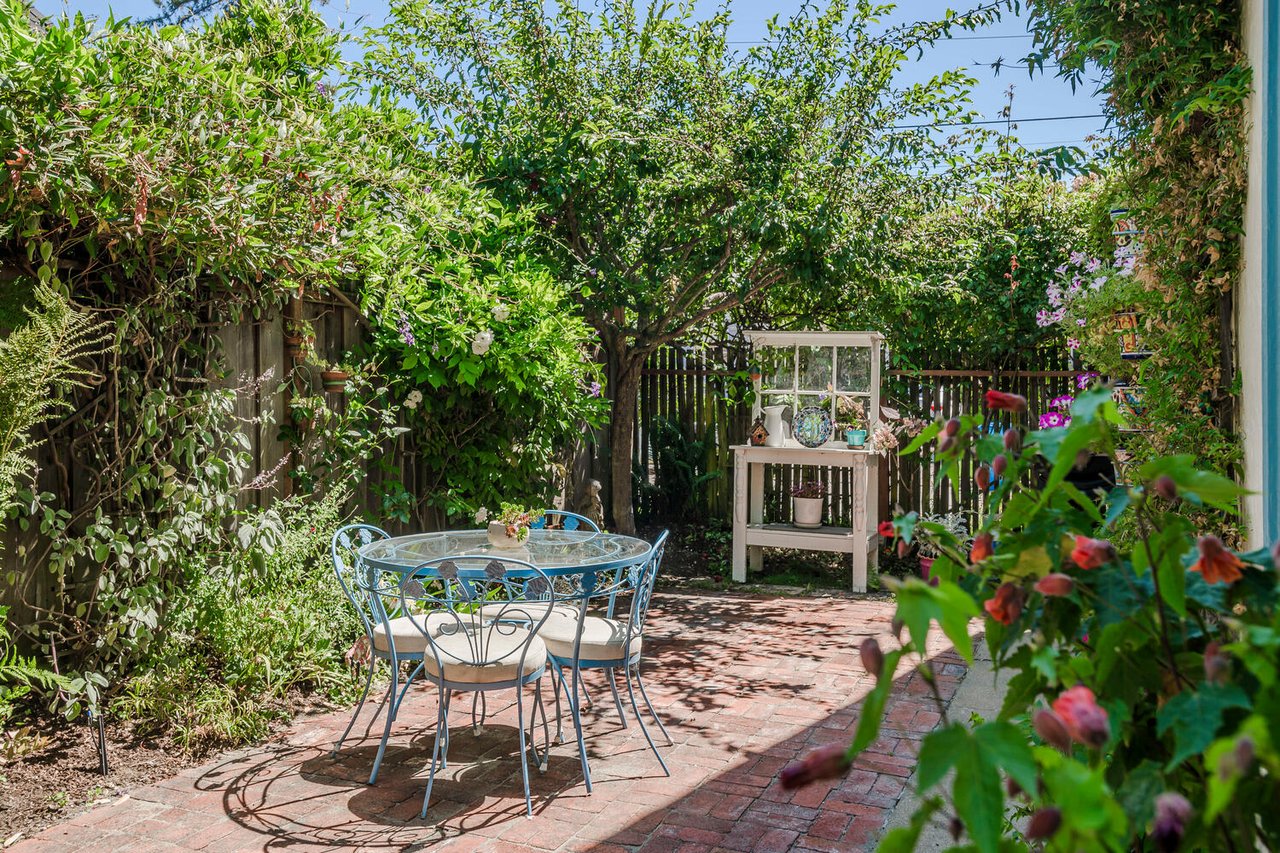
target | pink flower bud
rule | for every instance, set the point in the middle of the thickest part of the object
(1006, 605)
(1044, 823)
(1013, 440)
(825, 762)
(1050, 728)
(872, 657)
(1085, 719)
(1055, 584)
(945, 443)
(999, 465)
(903, 549)
(1217, 664)
(1001, 401)
(952, 427)
(896, 626)
(1172, 813)
(1092, 553)
(1165, 487)
(956, 827)
(982, 478)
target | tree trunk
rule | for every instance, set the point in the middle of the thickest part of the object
(625, 397)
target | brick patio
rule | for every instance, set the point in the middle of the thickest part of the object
(745, 684)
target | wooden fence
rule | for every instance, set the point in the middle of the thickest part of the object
(703, 393)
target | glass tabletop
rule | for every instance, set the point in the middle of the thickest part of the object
(553, 551)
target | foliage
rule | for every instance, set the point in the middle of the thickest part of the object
(1142, 671)
(1176, 82)
(18, 674)
(680, 472)
(248, 632)
(38, 367)
(676, 177)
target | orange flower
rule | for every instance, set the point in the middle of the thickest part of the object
(1216, 563)
(1006, 605)
(981, 548)
(1006, 402)
(1091, 553)
(1055, 584)
(1085, 719)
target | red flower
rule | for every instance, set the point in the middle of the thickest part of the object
(1006, 402)
(1006, 605)
(825, 762)
(1086, 721)
(887, 530)
(1044, 823)
(982, 478)
(1055, 584)
(1216, 563)
(981, 548)
(1217, 664)
(1091, 553)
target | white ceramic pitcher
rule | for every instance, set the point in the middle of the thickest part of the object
(776, 426)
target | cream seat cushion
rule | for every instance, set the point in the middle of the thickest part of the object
(531, 611)
(602, 639)
(407, 633)
(499, 645)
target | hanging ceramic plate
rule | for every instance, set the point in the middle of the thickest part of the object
(812, 426)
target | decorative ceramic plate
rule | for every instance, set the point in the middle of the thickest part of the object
(812, 426)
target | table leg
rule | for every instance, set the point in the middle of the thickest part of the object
(739, 519)
(859, 480)
(757, 512)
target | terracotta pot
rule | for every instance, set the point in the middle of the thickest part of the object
(334, 381)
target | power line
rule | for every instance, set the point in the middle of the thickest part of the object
(993, 121)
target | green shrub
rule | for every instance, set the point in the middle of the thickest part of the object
(249, 634)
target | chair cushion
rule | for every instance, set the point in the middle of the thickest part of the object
(521, 611)
(502, 649)
(407, 633)
(602, 639)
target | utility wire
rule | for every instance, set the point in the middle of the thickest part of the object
(993, 121)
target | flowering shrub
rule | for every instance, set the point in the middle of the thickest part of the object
(1143, 712)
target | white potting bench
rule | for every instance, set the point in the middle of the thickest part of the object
(800, 367)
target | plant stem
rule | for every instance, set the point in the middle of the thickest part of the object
(1145, 527)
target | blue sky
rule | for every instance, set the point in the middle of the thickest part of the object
(1043, 96)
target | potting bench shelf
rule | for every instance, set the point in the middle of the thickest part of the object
(751, 534)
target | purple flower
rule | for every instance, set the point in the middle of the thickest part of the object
(1049, 420)
(1093, 265)
(1073, 344)
(1083, 380)
(1172, 813)
(1081, 322)
(1078, 258)
(1061, 269)
(1062, 401)
(406, 330)
(594, 389)
(1043, 318)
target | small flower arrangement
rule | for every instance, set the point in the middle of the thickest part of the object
(810, 489)
(517, 520)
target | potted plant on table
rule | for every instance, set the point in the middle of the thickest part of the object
(953, 523)
(511, 527)
(806, 504)
(854, 418)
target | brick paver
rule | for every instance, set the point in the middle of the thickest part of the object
(745, 685)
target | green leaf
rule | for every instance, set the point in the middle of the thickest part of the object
(904, 839)
(939, 752)
(1194, 718)
(873, 706)
(1007, 746)
(948, 604)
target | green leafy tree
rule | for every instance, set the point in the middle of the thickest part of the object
(676, 177)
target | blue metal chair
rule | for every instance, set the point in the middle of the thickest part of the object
(603, 642)
(568, 521)
(393, 640)
(475, 651)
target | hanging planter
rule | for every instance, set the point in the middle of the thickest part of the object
(1128, 325)
(334, 380)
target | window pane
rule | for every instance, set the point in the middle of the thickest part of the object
(777, 367)
(815, 368)
(855, 369)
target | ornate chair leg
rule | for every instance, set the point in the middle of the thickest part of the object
(577, 726)
(643, 728)
(644, 693)
(391, 716)
(442, 724)
(524, 749)
(364, 694)
(617, 701)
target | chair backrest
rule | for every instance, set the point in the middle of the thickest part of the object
(455, 589)
(349, 568)
(568, 521)
(643, 585)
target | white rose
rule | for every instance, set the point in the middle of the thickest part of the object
(481, 342)
(501, 312)
(413, 399)
(482, 515)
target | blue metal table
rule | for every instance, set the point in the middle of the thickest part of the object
(553, 551)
